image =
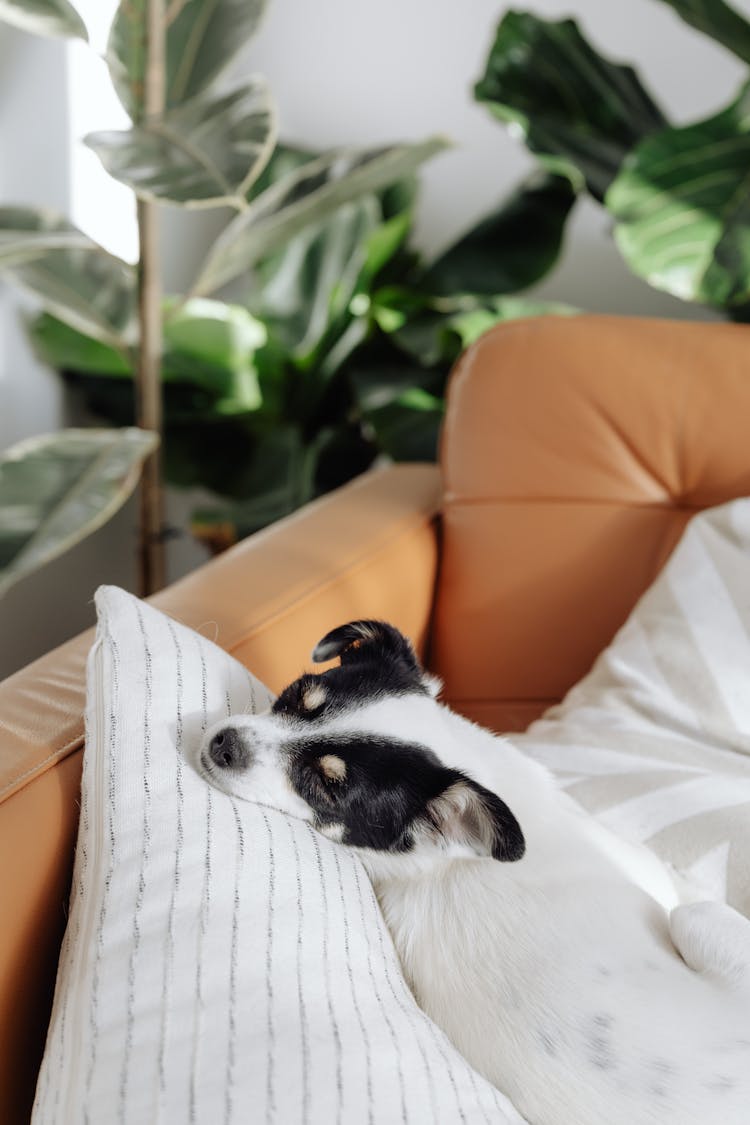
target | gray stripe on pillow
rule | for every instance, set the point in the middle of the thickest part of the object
(406, 1005)
(145, 857)
(271, 1052)
(205, 910)
(303, 1018)
(355, 1001)
(179, 844)
(232, 1005)
(109, 765)
(378, 997)
(327, 976)
(232, 1043)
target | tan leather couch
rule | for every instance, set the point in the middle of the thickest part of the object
(573, 454)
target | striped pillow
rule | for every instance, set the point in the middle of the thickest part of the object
(222, 962)
(655, 740)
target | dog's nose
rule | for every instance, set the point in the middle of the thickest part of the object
(228, 750)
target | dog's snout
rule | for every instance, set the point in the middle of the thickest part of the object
(228, 750)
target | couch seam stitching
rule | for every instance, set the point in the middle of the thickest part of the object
(61, 753)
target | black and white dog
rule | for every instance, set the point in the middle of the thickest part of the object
(555, 956)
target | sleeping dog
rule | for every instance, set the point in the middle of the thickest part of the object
(555, 956)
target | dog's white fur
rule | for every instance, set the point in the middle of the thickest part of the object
(573, 979)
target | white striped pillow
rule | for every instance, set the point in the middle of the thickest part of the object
(655, 740)
(222, 962)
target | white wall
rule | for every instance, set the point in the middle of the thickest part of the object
(345, 72)
(34, 163)
(342, 72)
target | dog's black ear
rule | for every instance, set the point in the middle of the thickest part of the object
(365, 641)
(468, 814)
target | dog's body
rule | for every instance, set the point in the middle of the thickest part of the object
(560, 974)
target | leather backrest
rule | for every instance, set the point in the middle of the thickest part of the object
(574, 452)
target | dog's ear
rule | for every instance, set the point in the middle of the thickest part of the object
(468, 814)
(362, 642)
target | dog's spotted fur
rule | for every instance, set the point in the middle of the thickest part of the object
(566, 973)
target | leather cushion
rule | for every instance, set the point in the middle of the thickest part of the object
(573, 453)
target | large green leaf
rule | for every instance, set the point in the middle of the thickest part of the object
(311, 282)
(202, 39)
(400, 403)
(205, 153)
(512, 247)
(580, 112)
(57, 489)
(717, 19)
(73, 276)
(682, 205)
(307, 195)
(213, 345)
(314, 293)
(207, 344)
(44, 17)
(66, 349)
(409, 428)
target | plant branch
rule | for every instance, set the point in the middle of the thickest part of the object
(148, 380)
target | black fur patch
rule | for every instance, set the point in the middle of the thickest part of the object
(366, 640)
(349, 687)
(376, 661)
(388, 793)
(386, 789)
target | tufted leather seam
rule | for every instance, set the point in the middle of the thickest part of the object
(41, 767)
(636, 505)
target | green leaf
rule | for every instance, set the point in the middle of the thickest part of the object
(73, 276)
(512, 247)
(287, 207)
(207, 344)
(409, 428)
(315, 293)
(205, 153)
(57, 489)
(401, 404)
(682, 207)
(283, 160)
(66, 349)
(444, 327)
(44, 17)
(580, 112)
(312, 280)
(213, 345)
(380, 380)
(717, 19)
(202, 39)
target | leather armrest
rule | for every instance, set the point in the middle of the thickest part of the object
(367, 550)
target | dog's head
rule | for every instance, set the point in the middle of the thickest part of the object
(355, 751)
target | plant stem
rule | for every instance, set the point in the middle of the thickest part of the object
(151, 566)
